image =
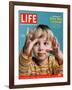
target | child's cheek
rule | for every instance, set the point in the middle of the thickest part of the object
(48, 48)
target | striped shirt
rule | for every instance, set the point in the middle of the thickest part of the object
(28, 66)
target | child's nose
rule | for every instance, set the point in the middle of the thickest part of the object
(41, 47)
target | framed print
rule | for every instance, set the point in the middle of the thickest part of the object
(39, 44)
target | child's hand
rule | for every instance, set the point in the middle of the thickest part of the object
(56, 49)
(29, 44)
(55, 46)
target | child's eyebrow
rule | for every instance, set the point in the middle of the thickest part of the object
(40, 36)
(45, 40)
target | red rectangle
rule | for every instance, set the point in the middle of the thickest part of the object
(41, 76)
(26, 18)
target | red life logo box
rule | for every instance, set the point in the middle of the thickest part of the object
(26, 18)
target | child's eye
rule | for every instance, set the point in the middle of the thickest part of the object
(36, 43)
(45, 43)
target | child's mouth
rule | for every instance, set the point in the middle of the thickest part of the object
(41, 54)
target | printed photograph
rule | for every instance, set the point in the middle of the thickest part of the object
(40, 44)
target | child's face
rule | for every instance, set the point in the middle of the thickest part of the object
(41, 49)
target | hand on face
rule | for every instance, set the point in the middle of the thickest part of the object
(29, 44)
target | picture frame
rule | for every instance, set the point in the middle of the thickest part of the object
(59, 18)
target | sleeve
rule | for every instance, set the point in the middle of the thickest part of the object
(54, 66)
(24, 65)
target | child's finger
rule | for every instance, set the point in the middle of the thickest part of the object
(34, 41)
(54, 42)
(49, 49)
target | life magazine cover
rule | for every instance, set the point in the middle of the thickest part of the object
(40, 44)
